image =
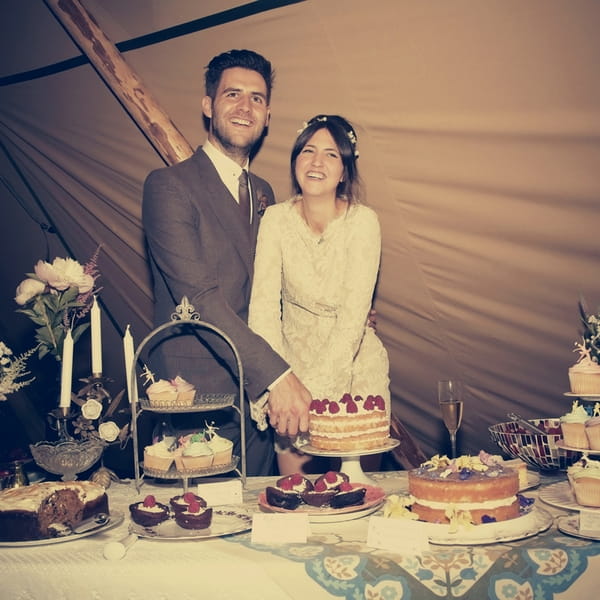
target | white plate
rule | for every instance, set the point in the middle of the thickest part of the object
(528, 525)
(533, 480)
(560, 495)
(373, 500)
(389, 444)
(116, 518)
(561, 444)
(588, 396)
(569, 524)
(225, 521)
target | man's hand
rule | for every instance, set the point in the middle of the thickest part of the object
(289, 401)
(372, 319)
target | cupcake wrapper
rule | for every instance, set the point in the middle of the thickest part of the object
(158, 463)
(574, 435)
(586, 490)
(585, 383)
(593, 436)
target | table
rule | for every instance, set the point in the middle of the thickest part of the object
(335, 563)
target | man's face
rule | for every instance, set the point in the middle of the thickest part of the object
(239, 113)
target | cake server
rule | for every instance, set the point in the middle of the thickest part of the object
(92, 523)
(525, 424)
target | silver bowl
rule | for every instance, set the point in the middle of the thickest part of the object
(537, 450)
(67, 458)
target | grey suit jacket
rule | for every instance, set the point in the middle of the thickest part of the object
(200, 248)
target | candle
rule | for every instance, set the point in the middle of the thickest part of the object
(129, 366)
(96, 339)
(66, 372)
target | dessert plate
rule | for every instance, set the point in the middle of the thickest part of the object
(590, 396)
(225, 521)
(116, 518)
(373, 500)
(560, 495)
(533, 480)
(530, 524)
(569, 524)
(561, 444)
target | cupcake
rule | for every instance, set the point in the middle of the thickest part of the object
(182, 501)
(592, 431)
(149, 512)
(584, 375)
(221, 447)
(584, 479)
(196, 454)
(186, 392)
(161, 393)
(158, 457)
(573, 427)
(194, 516)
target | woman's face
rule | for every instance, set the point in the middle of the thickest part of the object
(319, 167)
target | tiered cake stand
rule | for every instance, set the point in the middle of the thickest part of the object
(351, 460)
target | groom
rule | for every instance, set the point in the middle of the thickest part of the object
(201, 245)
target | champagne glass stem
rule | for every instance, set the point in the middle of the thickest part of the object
(453, 444)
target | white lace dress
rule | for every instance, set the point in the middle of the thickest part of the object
(311, 296)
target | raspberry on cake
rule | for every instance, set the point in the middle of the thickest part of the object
(348, 424)
(182, 501)
(149, 512)
(295, 482)
(478, 488)
(194, 516)
(332, 480)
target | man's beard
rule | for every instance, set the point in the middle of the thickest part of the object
(230, 147)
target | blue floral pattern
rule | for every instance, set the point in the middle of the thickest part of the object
(533, 569)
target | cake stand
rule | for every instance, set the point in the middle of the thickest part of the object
(351, 459)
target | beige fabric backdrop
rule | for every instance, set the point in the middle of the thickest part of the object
(479, 127)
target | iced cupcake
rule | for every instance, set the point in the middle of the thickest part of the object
(161, 393)
(584, 479)
(196, 454)
(158, 457)
(592, 431)
(221, 447)
(584, 375)
(186, 392)
(573, 427)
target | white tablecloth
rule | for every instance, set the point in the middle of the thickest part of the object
(334, 563)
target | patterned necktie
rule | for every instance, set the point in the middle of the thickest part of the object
(244, 196)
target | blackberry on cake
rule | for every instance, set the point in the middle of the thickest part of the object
(347, 424)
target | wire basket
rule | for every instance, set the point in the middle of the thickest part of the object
(537, 450)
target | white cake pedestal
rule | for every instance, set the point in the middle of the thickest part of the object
(351, 459)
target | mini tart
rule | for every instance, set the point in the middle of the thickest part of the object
(289, 500)
(330, 481)
(148, 516)
(295, 483)
(349, 496)
(181, 502)
(319, 499)
(194, 519)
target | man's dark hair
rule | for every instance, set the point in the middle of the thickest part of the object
(246, 59)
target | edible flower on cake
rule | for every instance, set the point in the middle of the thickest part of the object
(397, 507)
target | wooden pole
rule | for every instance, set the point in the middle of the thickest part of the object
(125, 84)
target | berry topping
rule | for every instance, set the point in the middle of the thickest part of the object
(345, 486)
(286, 484)
(351, 407)
(296, 478)
(317, 406)
(379, 403)
(194, 507)
(149, 501)
(358, 398)
(331, 476)
(189, 497)
(369, 403)
(320, 486)
(346, 398)
(334, 408)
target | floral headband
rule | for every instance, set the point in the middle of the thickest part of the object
(350, 133)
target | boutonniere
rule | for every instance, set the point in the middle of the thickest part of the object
(263, 202)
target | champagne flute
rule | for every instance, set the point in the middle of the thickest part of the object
(451, 405)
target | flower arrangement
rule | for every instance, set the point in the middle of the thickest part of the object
(55, 297)
(589, 349)
(13, 368)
